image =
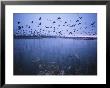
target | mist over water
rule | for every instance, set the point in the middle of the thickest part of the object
(55, 56)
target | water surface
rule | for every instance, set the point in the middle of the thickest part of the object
(55, 56)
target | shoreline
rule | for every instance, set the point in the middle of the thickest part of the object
(41, 37)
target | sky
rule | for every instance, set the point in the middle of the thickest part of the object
(55, 24)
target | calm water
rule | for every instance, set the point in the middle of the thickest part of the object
(55, 56)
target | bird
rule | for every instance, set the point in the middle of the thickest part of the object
(93, 23)
(65, 22)
(59, 18)
(19, 27)
(79, 23)
(46, 27)
(29, 27)
(54, 22)
(31, 21)
(59, 32)
(40, 23)
(40, 18)
(18, 22)
(70, 33)
(80, 17)
(77, 20)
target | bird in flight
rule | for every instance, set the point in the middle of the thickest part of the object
(18, 22)
(40, 18)
(80, 17)
(59, 18)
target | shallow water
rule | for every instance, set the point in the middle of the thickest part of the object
(55, 56)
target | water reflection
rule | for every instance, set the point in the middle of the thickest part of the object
(55, 56)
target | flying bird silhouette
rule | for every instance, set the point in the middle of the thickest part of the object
(40, 23)
(29, 27)
(54, 22)
(40, 18)
(65, 22)
(70, 33)
(18, 22)
(77, 20)
(19, 27)
(59, 18)
(79, 23)
(46, 27)
(80, 17)
(93, 23)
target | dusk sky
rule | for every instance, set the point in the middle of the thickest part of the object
(55, 24)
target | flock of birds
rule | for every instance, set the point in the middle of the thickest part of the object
(55, 29)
